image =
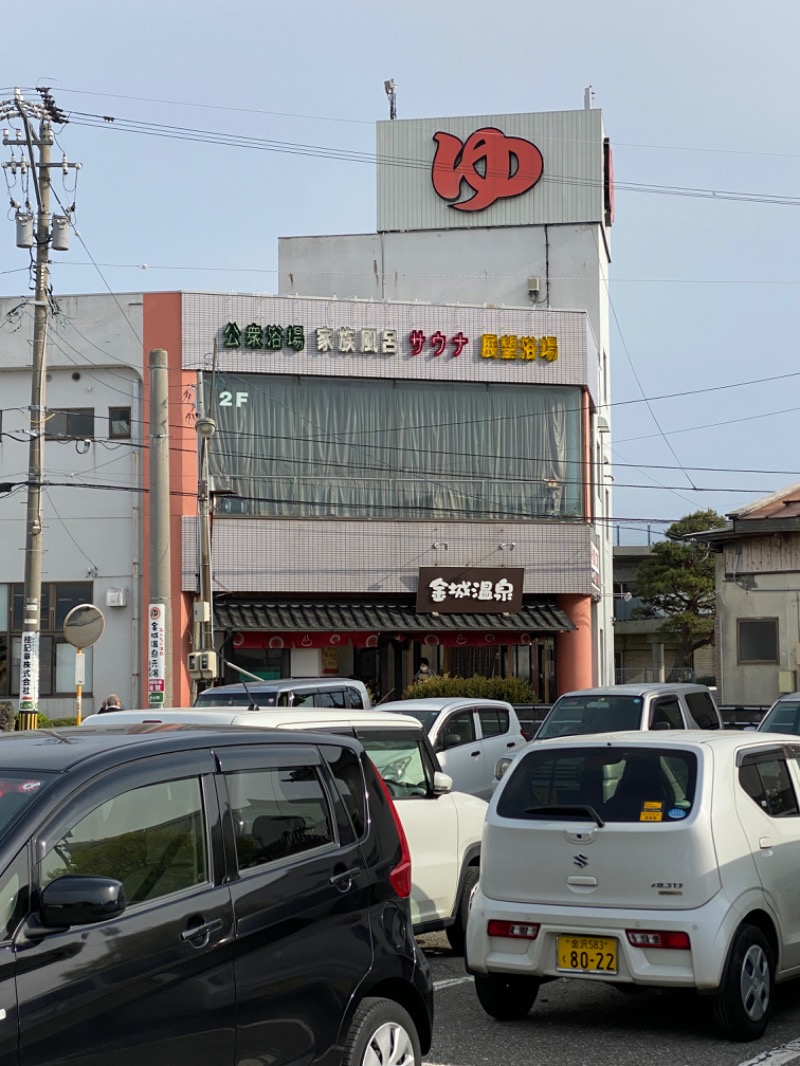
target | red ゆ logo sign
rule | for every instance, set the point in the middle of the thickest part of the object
(493, 165)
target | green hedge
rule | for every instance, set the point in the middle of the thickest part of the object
(44, 722)
(510, 689)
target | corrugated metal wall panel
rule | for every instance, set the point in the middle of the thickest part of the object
(273, 556)
(570, 189)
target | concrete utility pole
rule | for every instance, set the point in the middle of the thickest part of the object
(27, 141)
(160, 659)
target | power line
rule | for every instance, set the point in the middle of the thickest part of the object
(184, 133)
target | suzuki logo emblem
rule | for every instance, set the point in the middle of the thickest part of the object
(493, 165)
(581, 860)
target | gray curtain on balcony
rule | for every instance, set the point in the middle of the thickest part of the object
(319, 447)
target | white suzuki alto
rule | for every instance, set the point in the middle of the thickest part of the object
(666, 860)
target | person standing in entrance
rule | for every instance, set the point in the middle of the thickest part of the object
(424, 670)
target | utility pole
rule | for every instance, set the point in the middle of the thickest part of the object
(27, 141)
(159, 611)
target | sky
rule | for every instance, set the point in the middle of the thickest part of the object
(698, 99)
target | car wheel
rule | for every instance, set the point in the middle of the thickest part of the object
(743, 1005)
(506, 996)
(457, 932)
(382, 1034)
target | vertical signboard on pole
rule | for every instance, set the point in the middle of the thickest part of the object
(29, 672)
(156, 653)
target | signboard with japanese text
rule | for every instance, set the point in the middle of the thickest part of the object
(470, 590)
(530, 169)
(156, 653)
(29, 672)
(595, 559)
(403, 341)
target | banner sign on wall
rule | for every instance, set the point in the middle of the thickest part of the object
(29, 672)
(156, 653)
(470, 590)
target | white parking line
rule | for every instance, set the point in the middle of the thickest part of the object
(450, 982)
(776, 1056)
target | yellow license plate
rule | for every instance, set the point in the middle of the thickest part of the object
(587, 954)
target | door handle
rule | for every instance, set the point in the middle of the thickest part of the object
(195, 932)
(474, 754)
(511, 744)
(344, 877)
(765, 843)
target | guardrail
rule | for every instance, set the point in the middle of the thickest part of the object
(741, 715)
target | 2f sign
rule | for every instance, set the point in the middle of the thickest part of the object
(233, 399)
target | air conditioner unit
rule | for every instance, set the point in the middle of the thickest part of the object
(117, 597)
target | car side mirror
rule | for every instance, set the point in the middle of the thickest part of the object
(81, 900)
(442, 783)
(451, 740)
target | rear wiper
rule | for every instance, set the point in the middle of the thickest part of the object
(568, 810)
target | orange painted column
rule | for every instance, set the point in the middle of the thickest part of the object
(163, 329)
(574, 651)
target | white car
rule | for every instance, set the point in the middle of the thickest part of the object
(653, 859)
(468, 736)
(443, 827)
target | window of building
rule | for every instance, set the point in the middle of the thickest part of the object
(400, 449)
(69, 422)
(56, 656)
(119, 423)
(757, 640)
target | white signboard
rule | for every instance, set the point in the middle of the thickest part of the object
(29, 672)
(156, 653)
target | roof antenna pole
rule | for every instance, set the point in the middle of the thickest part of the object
(391, 92)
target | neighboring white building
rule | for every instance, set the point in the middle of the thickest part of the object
(758, 599)
(92, 535)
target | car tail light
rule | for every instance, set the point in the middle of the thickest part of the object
(513, 930)
(400, 875)
(658, 938)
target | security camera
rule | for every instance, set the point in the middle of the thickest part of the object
(533, 288)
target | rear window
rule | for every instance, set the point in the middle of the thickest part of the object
(613, 784)
(783, 718)
(425, 718)
(401, 760)
(703, 709)
(591, 714)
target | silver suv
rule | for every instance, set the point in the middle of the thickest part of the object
(621, 707)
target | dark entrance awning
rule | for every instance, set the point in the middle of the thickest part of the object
(361, 622)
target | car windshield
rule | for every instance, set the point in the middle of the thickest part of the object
(400, 762)
(17, 789)
(601, 784)
(591, 714)
(425, 718)
(784, 717)
(214, 698)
